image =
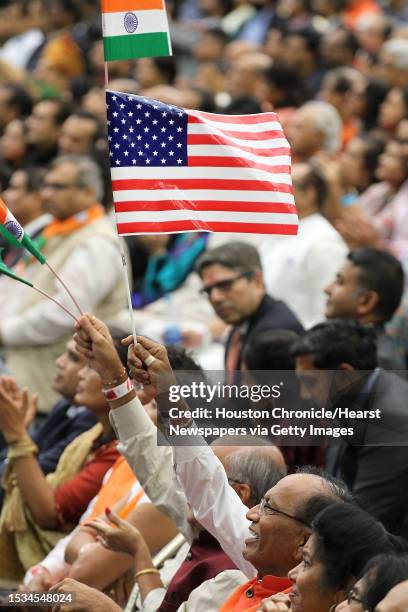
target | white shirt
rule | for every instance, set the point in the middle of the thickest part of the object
(298, 268)
(214, 502)
(152, 463)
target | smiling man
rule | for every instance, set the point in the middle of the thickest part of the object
(233, 281)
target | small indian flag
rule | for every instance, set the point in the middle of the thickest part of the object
(134, 28)
(8, 220)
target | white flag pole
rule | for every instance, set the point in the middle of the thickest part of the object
(124, 264)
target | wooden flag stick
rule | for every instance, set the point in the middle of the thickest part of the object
(124, 264)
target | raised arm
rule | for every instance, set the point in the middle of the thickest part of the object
(152, 464)
(214, 503)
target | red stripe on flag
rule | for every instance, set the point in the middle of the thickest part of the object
(214, 205)
(168, 227)
(201, 117)
(232, 162)
(217, 139)
(177, 183)
(258, 136)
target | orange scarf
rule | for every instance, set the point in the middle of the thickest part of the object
(70, 225)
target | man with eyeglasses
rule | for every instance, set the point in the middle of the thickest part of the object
(81, 244)
(232, 279)
(264, 542)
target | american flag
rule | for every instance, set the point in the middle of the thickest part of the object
(177, 170)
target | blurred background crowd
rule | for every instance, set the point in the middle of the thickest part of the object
(336, 74)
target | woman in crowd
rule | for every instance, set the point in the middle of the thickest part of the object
(39, 510)
(344, 538)
(379, 576)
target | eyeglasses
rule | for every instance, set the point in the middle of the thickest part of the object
(59, 186)
(224, 285)
(353, 596)
(266, 508)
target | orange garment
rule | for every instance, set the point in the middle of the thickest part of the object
(349, 131)
(119, 482)
(63, 55)
(67, 226)
(249, 596)
(356, 10)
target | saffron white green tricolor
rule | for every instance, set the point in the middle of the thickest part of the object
(134, 28)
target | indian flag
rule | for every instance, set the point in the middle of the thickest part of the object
(134, 28)
(8, 220)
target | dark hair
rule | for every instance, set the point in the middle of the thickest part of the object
(19, 98)
(382, 573)
(374, 95)
(351, 39)
(286, 79)
(310, 36)
(180, 360)
(339, 341)
(316, 179)
(239, 256)
(381, 272)
(374, 147)
(241, 105)
(35, 177)
(270, 349)
(217, 33)
(167, 68)
(347, 537)
(404, 93)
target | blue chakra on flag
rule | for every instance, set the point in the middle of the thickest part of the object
(131, 22)
(15, 229)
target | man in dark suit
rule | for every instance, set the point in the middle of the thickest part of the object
(368, 288)
(233, 281)
(336, 363)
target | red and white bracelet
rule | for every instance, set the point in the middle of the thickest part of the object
(119, 391)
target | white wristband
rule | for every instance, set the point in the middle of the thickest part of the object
(118, 392)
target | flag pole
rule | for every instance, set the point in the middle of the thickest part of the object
(122, 253)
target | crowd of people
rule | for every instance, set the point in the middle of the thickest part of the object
(97, 501)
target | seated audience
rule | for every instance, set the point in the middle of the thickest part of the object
(344, 538)
(336, 363)
(368, 288)
(233, 281)
(272, 551)
(250, 472)
(376, 580)
(298, 268)
(65, 421)
(38, 509)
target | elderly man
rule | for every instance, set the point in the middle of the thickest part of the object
(394, 62)
(315, 129)
(82, 246)
(232, 279)
(278, 527)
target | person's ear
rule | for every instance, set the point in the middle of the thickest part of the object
(304, 536)
(367, 303)
(258, 278)
(244, 492)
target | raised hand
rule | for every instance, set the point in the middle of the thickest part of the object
(94, 342)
